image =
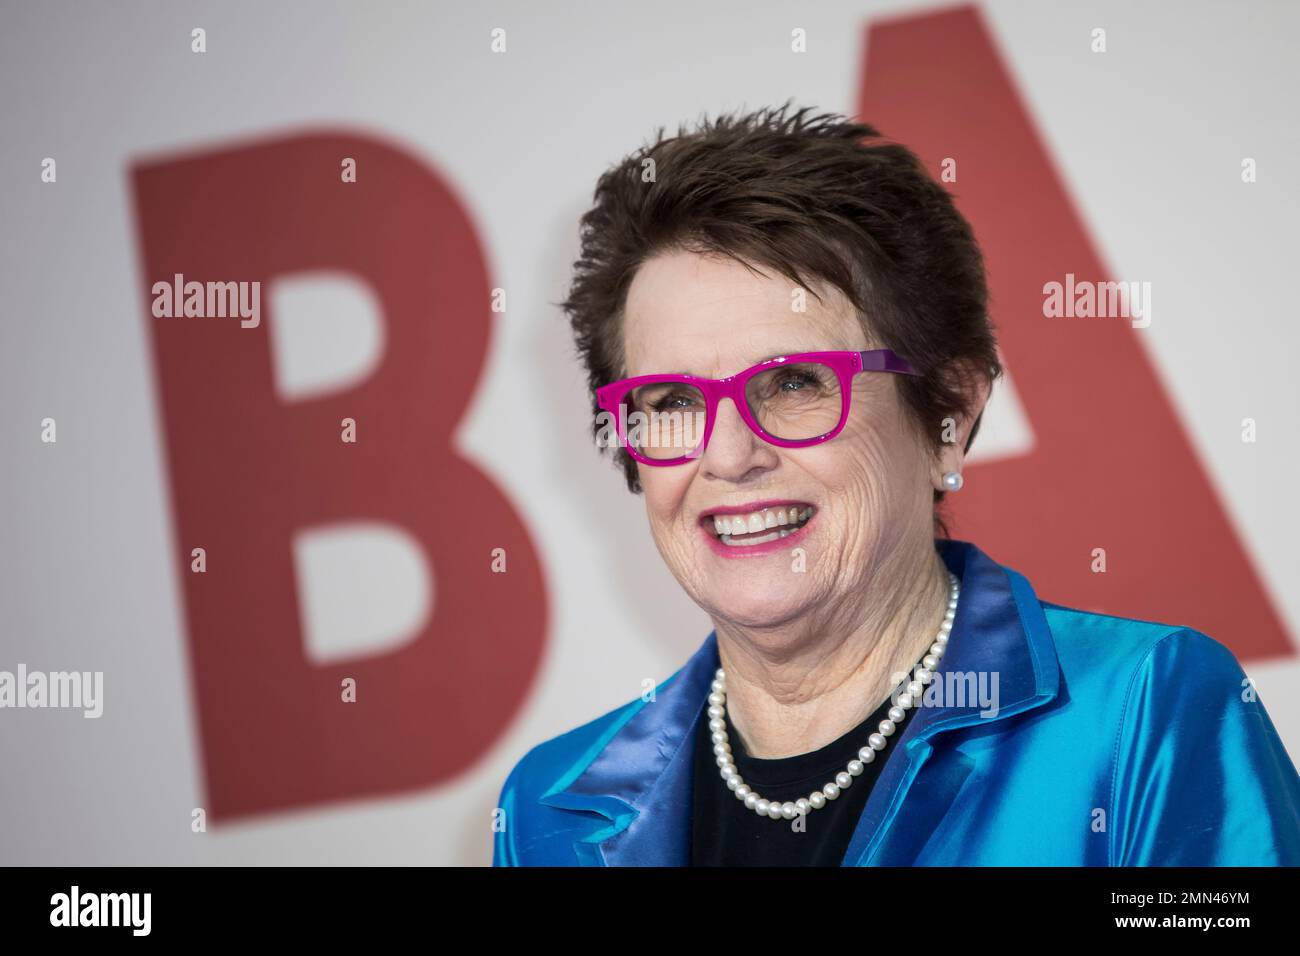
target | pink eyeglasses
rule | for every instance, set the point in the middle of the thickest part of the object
(792, 401)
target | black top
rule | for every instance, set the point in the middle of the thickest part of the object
(726, 833)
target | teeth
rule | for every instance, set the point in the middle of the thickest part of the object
(726, 539)
(768, 519)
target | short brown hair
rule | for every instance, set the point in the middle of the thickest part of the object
(818, 199)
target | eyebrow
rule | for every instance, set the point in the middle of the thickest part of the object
(753, 363)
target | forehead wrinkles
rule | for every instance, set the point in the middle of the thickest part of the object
(720, 351)
(715, 316)
(715, 354)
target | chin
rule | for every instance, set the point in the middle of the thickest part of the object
(755, 607)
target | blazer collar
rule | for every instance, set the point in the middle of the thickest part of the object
(637, 777)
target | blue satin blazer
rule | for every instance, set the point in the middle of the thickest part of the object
(1116, 742)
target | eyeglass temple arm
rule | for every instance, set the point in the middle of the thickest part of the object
(884, 360)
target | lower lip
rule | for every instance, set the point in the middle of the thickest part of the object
(755, 550)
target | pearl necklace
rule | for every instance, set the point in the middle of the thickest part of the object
(923, 674)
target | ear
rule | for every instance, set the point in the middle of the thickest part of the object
(956, 431)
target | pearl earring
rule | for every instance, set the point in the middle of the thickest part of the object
(952, 481)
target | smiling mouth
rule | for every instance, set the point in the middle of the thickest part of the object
(760, 526)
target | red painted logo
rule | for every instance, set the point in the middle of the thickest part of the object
(247, 471)
(1112, 465)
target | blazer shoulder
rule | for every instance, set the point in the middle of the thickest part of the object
(1188, 697)
(535, 826)
(1096, 650)
(1126, 640)
(545, 766)
(548, 765)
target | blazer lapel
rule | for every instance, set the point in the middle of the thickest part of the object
(999, 631)
(640, 780)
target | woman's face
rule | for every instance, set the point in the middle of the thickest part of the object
(869, 488)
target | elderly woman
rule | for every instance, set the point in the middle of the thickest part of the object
(784, 322)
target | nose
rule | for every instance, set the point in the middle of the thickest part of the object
(734, 453)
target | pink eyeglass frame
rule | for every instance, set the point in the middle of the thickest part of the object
(844, 364)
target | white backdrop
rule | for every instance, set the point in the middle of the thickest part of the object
(88, 580)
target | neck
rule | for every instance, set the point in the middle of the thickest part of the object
(794, 689)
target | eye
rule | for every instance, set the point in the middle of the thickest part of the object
(796, 380)
(793, 381)
(672, 401)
